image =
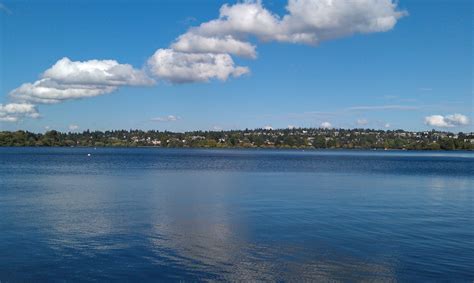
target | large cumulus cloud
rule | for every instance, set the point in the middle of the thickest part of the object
(204, 52)
(306, 21)
(179, 67)
(68, 79)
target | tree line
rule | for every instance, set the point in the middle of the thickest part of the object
(256, 138)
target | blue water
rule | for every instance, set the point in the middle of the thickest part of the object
(190, 214)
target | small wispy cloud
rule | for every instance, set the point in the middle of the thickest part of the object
(73, 127)
(312, 114)
(362, 122)
(425, 89)
(5, 9)
(389, 97)
(382, 107)
(169, 118)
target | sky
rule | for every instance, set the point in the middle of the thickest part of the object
(216, 65)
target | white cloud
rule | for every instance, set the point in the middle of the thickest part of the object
(95, 72)
(49, 91)
(268, 127)
(436, 120)
(457, 119)
(73, 127)
(325, 125)
(179, 67)
(387, 125)
(68, 79)
(204, 52)
(193, 43)
(240, 20)
(169, 118)
(362, 122)
(313, 21)
(453, 120)
(306, 21)
(13, 112)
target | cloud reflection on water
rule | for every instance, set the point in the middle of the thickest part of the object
(153, 222)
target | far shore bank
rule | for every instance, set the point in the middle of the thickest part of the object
(295, 138)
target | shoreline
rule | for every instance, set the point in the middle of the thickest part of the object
(301, 138)
(251, 148)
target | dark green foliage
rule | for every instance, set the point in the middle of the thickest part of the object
(283, 138)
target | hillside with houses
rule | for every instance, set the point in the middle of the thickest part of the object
(304, 138)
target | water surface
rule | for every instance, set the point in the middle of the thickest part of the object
(193, 214)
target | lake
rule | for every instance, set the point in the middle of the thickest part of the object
(147, 214)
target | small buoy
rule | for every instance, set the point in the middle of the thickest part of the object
(88, 154)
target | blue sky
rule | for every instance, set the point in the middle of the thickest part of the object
(415, 75)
